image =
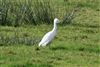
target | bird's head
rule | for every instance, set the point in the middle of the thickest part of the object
(56, 20)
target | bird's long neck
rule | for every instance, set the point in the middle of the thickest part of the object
(54, 27)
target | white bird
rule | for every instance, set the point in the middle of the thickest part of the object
(50, 35)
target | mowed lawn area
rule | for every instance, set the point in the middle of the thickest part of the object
(76, 44)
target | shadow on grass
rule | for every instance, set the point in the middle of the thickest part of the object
(32, 65)
(89, 49)
(86, 25)
(59, 48)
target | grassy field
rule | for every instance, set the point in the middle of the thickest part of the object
(76, 44)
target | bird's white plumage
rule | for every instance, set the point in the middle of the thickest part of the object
(50, 35)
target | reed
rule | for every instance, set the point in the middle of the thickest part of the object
(23, 12)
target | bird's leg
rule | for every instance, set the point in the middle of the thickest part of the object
(37, 48)
(49, 45)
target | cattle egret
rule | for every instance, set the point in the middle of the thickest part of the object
(50, 35)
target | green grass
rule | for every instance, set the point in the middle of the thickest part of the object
(73, 46)
(76, 44)
(35, 12)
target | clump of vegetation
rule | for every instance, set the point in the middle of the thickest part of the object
(4, 41)
(43, 11)
(17, 13)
